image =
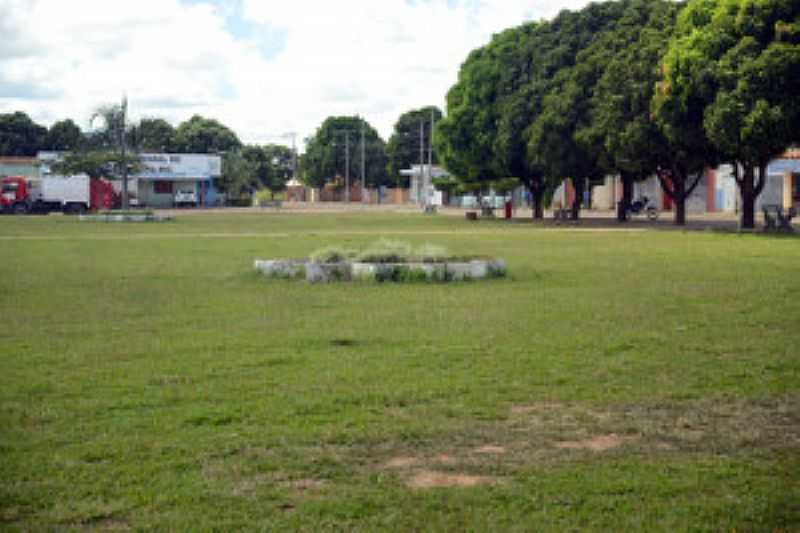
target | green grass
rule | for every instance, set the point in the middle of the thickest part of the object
(149, 378)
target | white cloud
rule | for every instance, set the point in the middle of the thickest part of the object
(376, 59)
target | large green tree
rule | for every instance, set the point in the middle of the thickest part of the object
(621, 120)
(201, 135)
(326, 150)
(733, 73)
(153, 135)
(64, 136)
(272, 165)
(238, 175)
(20, 136)
(403, 148)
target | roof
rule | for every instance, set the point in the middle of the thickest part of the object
(17, 160)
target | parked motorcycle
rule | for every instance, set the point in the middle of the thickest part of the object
(643, 206)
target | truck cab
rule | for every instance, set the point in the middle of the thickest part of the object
(15, 195)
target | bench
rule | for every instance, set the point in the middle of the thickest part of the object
(274, 204)
(776, 220)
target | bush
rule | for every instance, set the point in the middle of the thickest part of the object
(332, 254)
(386, 251)
(430, 253)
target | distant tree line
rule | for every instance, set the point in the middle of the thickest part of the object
(245, 167)
(634, 88)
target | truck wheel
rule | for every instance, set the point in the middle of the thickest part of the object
(76, 209)
(652, 213)
(20, 208)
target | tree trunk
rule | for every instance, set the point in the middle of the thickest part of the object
(679, 197)
(537, 201)
(627, 196)
(577, 187)
(748, 192)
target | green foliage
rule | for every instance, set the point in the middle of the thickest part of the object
(386, 251)
(402, 150)
(272, 165)
(200, 135)
(20, 136)
(153, 135)
(325, 152)
(729, 81)
(97, 164)
(238, 179)
(332, 254)
(64, 135)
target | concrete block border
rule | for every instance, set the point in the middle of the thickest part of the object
(124, 218)
(381, 272)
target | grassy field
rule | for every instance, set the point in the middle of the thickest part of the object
(149, 378)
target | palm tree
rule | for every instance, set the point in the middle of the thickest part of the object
(114, 118)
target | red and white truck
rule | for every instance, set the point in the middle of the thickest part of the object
(68, 194)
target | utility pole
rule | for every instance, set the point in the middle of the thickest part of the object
(363, 167)
(429, 185)
(420, 183)
(123, 112)
(347, 166)
(430, 141)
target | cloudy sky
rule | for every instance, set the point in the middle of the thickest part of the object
(262, 67)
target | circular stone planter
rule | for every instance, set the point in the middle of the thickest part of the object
(394, 272)
(125, 218)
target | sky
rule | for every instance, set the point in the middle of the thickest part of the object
(264, 68)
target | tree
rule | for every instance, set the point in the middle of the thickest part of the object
(272, 165)
(238, 175)
(20, 136)
(200, 135)
(112, 137)
(403, 148)
(620, 117)
(96, 164)
(733, 73)
(325, 156)
(64, 136)
(153, 135)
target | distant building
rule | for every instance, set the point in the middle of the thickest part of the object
(19, 166)
(423, 191)
(717, 191)
(162, 175)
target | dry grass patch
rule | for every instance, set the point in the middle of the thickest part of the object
(599, 443)
(429, 479)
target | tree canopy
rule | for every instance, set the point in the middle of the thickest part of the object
(64, 135)
(19, 135)
(325, 152)
(732, 74)
(153, 135)
(403, 148)
(200, 135)
(272, 165)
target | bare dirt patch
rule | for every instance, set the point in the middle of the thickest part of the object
(490, 449)
(599, 443)
(428, 479)
(522, 410)
(402, 462)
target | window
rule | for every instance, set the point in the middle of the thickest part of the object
(796, 187)
(162, 187)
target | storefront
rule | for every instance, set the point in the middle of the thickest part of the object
(165, 178)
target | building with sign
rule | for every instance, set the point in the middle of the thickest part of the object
(162, 176)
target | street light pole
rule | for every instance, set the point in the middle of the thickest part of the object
(363, 167)
(347, 167)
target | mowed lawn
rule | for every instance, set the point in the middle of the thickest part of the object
(150, 379)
